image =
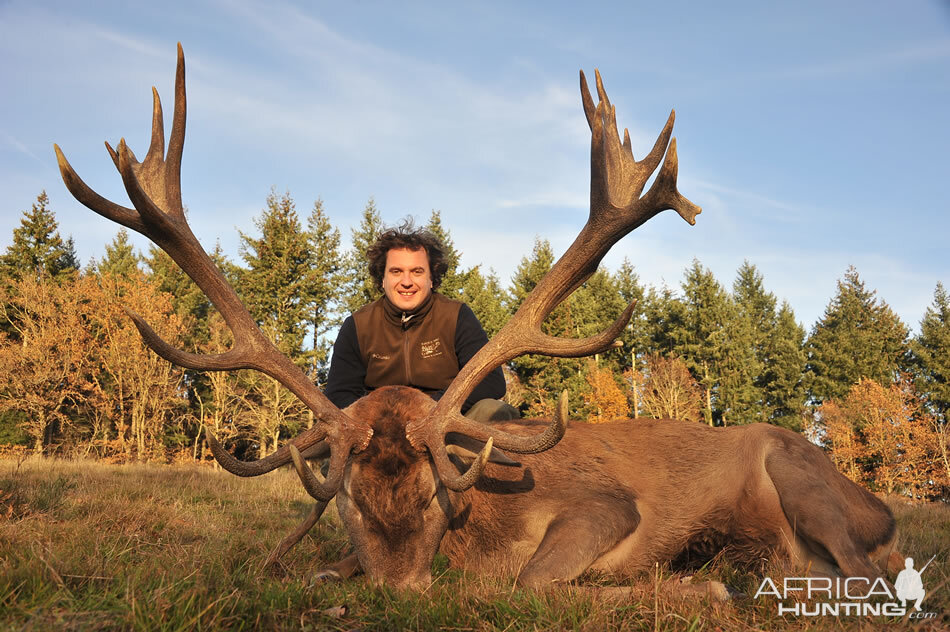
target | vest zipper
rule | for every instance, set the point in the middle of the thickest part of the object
(405, 354)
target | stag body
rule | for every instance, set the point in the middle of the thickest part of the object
(613, 497)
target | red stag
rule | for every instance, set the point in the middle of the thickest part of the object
(412, 477)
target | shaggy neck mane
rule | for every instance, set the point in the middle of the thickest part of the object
(391, 492)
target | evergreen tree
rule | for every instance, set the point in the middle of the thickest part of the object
(710, 313)
(454, 277)
(327, 273)
(542, 377)
(635, 336)
(121, 260)
(590, 310)
(784, 366)
(756, 323)
(858, 337)
(38, 250)
(529, 272)
(280, 282)
(664, 322)
(932, 354)
(358, 288)
(486, 298)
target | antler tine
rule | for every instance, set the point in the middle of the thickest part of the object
(492, 437)
(616, 208)
(154, 187)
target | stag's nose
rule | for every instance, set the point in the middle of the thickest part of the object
(416, 582)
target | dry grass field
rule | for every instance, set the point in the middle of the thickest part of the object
(88, 546)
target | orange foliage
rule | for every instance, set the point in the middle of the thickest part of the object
(883, 436)
(669, 390)
(603, 397)
(46, 361)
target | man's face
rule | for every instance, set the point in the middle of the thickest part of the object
(407, 281)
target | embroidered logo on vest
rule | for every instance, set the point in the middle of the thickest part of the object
(379, 356)
(431, 348)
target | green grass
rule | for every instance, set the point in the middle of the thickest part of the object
(87, 546)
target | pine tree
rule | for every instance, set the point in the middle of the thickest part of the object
(529, 272)
(590, 310)
(486, 298)
(785, 363)
(121, 260)
(454, 277)
(279, 284)
(664, 322)
(858, 337)
(358, 288)
(931, 351)
(710, 313)
(543, 377)
(38, 250)
(327, 270)
(635, 336)
(756, 323)
(279, 287)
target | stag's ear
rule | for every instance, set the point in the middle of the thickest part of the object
(467, 449)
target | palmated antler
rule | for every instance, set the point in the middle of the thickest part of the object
(154, 187)
(616, 208)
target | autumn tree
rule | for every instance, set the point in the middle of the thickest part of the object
(222, 403)
(47, 359)
(143, 391)
(882, 436)
(604, 399)
(669, 390)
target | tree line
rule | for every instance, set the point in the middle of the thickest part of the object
(78, 380)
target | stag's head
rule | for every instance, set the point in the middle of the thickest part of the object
(392, 501)
(390, 467)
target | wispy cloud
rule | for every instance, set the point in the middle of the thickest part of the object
(873, 64)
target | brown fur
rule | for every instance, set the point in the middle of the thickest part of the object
(615, 498)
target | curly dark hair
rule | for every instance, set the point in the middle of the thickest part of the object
(407, 236)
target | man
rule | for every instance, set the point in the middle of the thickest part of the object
(411, 336)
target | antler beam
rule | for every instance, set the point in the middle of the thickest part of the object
(616, 208)
(154, 187)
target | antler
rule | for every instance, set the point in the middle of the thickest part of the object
(616, 208)
(154, 187)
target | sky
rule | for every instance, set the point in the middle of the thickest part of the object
(814, 134)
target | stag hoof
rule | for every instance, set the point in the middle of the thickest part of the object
(716, 591)
(324, 576)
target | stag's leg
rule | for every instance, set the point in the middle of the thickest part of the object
(832, 517)
(295, 536)
(346, 568)
(573, 542)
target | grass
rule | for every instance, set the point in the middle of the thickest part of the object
(88, 546)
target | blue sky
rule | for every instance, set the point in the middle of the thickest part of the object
(814, 134)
